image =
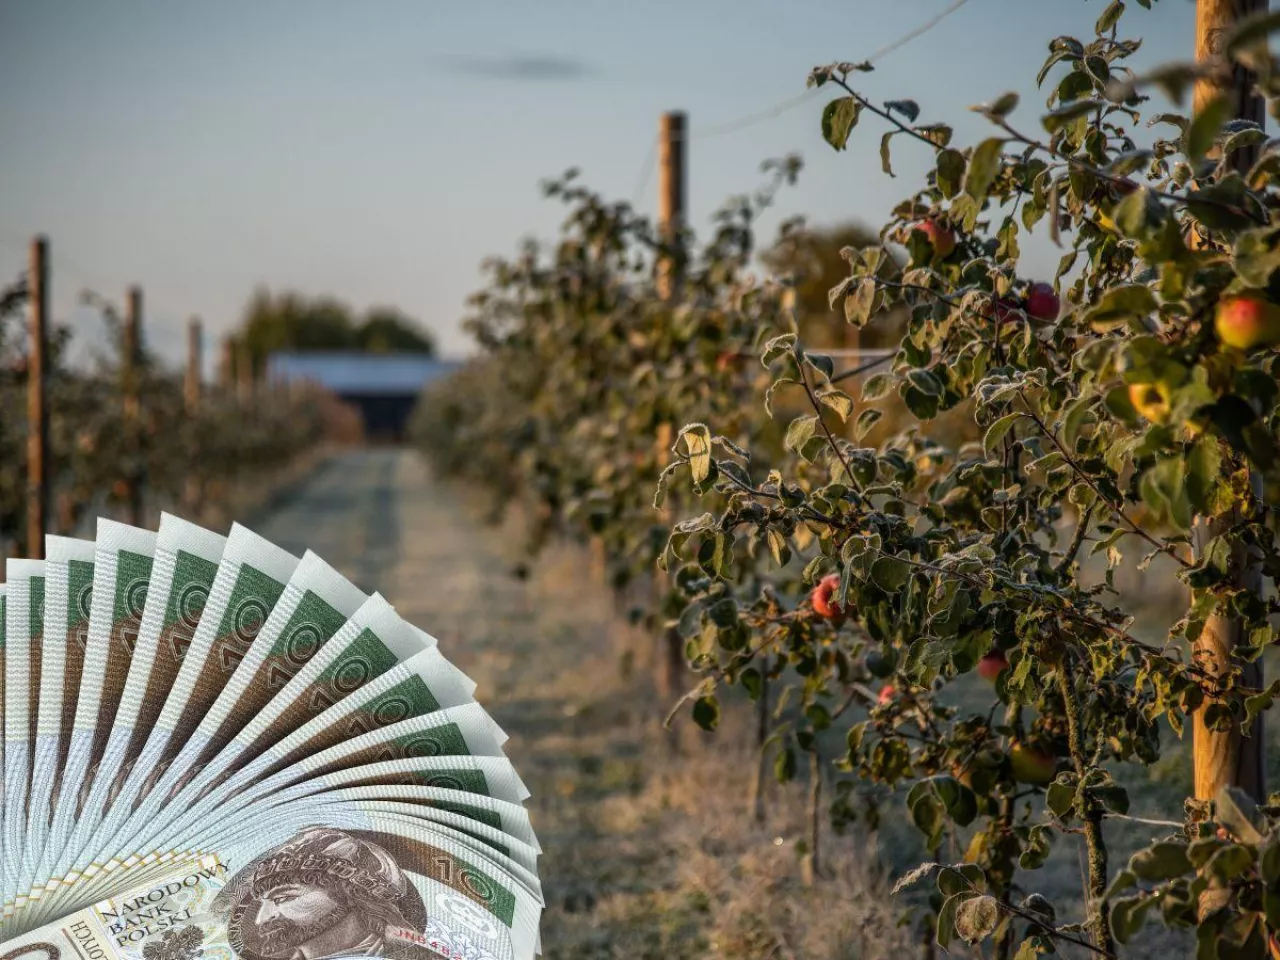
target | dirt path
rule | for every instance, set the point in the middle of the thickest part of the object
(645, 855)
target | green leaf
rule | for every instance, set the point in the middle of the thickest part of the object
(1119, 304)
(1110, 17)
(926, 382)
(799, 432)
(784, 765)
(821, 362)
(706, 712)
(697, 441)
(938, 134)
(1169, 476)
(1077, 414)
(877, 387)
(951, 167)
(1204, 473)
(984, 166)
(1205, 127)
(998, 430)
(890, 573)
(1004, 105)
(1236, 811)
(1139, 214)
(1055, 120)
(857, 306)
(1112, 796)
(964, 878)
(885, 163)
(837, 400)
(866, 420)
(1128, 914)
(1060, 797)
(1160, 861)
(778, 546)
(838, 120)
(1230, 863)
(777, 347)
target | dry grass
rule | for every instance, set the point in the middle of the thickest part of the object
(649, 849)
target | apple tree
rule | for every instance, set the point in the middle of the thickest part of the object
(1125, 404)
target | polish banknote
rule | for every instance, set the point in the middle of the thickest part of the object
(213, 747)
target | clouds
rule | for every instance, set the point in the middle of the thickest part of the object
(522, 67)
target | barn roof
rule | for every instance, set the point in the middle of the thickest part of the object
(353, 372)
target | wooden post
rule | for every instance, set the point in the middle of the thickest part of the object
(1227, 758)
(1215, 20)
(672, 157)
(191, 386)
(672, 152)
(226, 365)
(191, 395)
(131, 381)
(38, 473)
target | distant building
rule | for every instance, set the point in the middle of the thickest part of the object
(383, 386)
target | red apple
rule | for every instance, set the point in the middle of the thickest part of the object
(992, 665)
(1248, 320)
(1032, 764)
(1005, 310)
(822, 598)
(888, 693)
(727, 360)
(1042, 303)
(940, 236)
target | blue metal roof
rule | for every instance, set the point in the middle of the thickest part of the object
(360, 373)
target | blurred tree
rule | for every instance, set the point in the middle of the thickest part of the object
(812, 255)
(387, 329)
(293, 321)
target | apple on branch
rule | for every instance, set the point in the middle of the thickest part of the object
(822, 599)
(1031, 764)
(992, 665)
(1151, 400)
(941, 237)
(1042, 303)
(1247, 321)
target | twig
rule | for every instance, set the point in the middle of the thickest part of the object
(1162, 546)
(817, 409)
(1077, 541)
(863, 368)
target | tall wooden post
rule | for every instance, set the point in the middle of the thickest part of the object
(226, 365)
(1225, 758)
(192, 389)
(672, 151)
(38, 474)
(131, 380)
(672, 157)
(191, 385)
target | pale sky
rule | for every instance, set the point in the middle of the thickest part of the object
(378, 150)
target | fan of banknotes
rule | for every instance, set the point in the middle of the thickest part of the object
(215, 749)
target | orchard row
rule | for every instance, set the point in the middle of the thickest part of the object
(848, 547)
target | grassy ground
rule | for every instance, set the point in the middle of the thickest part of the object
(650, 849)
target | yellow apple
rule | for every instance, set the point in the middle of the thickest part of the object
(1151, 400)
(1032, 765)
